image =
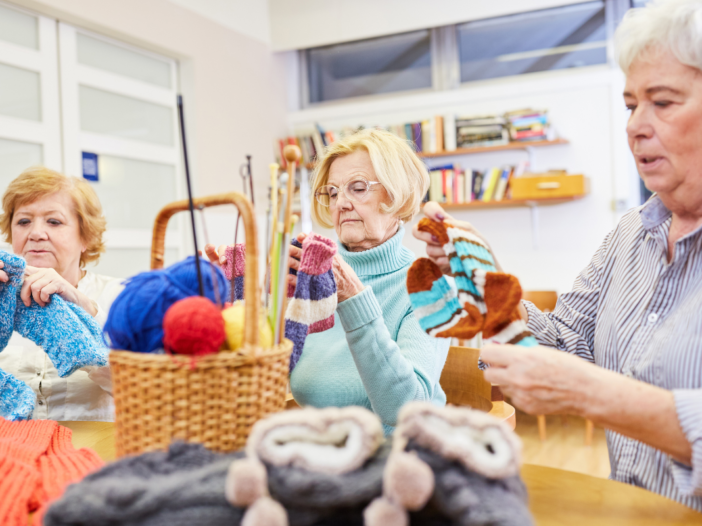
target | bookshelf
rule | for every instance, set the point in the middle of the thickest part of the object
(509, 203)
(501, 147)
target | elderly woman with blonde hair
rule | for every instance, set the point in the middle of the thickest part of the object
(56, 224)
(376, 355)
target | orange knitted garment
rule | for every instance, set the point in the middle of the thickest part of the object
(37, 462)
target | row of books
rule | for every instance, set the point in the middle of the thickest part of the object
(440, 133)
(450, 184)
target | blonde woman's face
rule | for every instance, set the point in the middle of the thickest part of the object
(47, 234)
(360, 226)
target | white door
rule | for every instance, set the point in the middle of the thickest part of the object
(119, 102)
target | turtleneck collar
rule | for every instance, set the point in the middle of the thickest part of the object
(383, 259)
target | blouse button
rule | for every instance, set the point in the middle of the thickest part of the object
(41, 402)
(652, 318)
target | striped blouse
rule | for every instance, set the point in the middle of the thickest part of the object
(632, 312)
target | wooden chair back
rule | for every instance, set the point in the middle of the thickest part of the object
(544, 300)
(463, 382)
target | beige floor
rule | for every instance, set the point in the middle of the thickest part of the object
(564, 447)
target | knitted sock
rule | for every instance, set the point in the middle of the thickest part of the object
(16, 398)
(490, 298)
(68, 334)
(435, 303)
(14, 268)
(312, 307)
(234, 266)
(503, 324)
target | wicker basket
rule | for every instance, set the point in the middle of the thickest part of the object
(159, 398)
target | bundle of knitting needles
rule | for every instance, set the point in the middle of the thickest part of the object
(279, 231)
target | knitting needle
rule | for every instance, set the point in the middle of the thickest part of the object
(276, 269)
(284, 271)
(270, 231)
(190, 193)
(292, 155)
(218, 299)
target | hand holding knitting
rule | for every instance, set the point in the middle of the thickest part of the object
(435, 250)
(540, 381)
(42, 283)
(348, 283)
(3, 275)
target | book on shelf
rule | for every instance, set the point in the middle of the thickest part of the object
(528, 125)
(449, 184)
(487, 130)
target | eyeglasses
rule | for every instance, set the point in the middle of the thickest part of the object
(356, 190)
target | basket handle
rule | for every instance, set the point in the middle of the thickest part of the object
(158, 241)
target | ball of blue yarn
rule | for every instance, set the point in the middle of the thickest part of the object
(135, 320)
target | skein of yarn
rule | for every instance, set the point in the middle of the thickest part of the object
(135, 321)
(193, 326)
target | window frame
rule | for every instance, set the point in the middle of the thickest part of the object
(445, 59)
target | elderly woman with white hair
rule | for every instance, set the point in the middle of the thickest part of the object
(635, 312)
(376, 355)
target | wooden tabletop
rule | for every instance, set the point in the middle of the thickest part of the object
(556, 497)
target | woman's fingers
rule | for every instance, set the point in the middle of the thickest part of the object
(211, 253)
(222, 251)
(293, 263)
(301, 237)
(434, 211)
(292, 280)
(429, 239)
(295, 252)
(3, 275)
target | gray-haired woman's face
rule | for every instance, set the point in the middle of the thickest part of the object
(665, 124)
(359, 225)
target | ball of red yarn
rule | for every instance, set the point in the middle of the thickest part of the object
(193, 326)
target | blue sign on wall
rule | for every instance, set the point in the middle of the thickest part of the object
(90, 166)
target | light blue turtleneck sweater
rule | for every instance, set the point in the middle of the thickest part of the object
(376, 355)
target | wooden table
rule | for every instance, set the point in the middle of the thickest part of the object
(557, 497)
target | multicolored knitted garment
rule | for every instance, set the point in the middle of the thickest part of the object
(482, 298)
(70, 336)
(234, 267)
(314, 302)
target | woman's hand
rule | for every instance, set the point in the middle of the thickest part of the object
(348, 283)
(216, 255)
(42, 283)
(4, 278)
(435, 251)
(540, 381)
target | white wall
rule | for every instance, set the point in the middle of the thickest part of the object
(301, 24)
(248, 17)
(585, 107)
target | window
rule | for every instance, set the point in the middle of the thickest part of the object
(368, 67)
(443, 58)
(559, 38)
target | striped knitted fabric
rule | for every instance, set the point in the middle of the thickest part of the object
(489, 299)
(234, 266)
(314, 302)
